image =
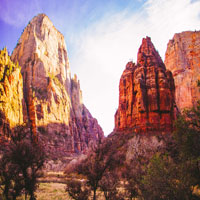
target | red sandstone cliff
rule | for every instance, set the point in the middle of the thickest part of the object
(146, 94)
(53, 99)
(183, 59)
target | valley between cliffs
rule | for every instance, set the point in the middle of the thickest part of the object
(39, 94)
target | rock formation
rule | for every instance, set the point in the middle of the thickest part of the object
(11, 94)
(146, 94)
(53, 101)
(183, 59)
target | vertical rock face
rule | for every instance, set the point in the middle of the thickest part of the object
(11, 93)
(41, 52)
(84, 126)
(146, 94)
(53, 100)
(183, 59)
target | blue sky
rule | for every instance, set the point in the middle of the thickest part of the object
(101, 37)
(69, 16)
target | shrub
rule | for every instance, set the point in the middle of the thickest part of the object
(21, 165)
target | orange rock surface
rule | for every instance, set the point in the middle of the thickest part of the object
(146, 94)
(11, 94)
(183, 59)
(53, 100)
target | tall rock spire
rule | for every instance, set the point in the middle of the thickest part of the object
(41, 51)
(148, 55)
(43, 43)
(50, 92)
(146, 94)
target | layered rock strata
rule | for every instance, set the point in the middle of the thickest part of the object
(11, 94)
(53, 102)
(146, 94)
(183, 59)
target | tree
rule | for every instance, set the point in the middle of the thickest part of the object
(109, 185)
(187, 134)
(21, 165)
(165, 180)
(132, 175)
(173, 174)
(77, 189)
(101, 158)
(10, 182)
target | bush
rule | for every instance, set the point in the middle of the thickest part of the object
(101, 158)
(78, 190)
(21, 165)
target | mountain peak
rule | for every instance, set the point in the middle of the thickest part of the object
(148, 55)
(40, 15)
(146, 94)
(52, 99)
(39, 18)
(41, 41)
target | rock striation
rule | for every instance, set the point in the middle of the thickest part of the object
(183, 59)
(53, 100)
(146, 94)
(11, 94)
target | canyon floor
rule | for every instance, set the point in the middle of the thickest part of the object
(52, 186)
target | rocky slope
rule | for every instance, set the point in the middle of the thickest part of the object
(11, 94)
(53, 100)
(146, 94)
(183, 59)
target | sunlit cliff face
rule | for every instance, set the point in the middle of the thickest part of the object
(146, 94)
(53, 100)
(183, 59)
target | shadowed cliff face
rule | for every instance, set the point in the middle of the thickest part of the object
(183, 59)
(146, 94)
(52, 98)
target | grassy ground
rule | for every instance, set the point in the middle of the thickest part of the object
(52, 191)
(52, 186)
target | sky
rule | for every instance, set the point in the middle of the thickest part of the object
(101, 37)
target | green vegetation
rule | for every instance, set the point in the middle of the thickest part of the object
(198, 83)
(170, 173)
(6, 65)
(56, 81)
(175, 173)
(100, 164)
(9, 97)
(105, 173)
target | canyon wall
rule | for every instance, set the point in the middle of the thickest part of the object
(183, 59)
(146, 94)
(11, 94)
(53, 100)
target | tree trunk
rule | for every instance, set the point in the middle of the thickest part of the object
(106, 195)
(94, 197)
(6, 192)
(32, 196)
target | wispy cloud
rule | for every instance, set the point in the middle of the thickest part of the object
(104, 35)
(103, 49)
(18, 13)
